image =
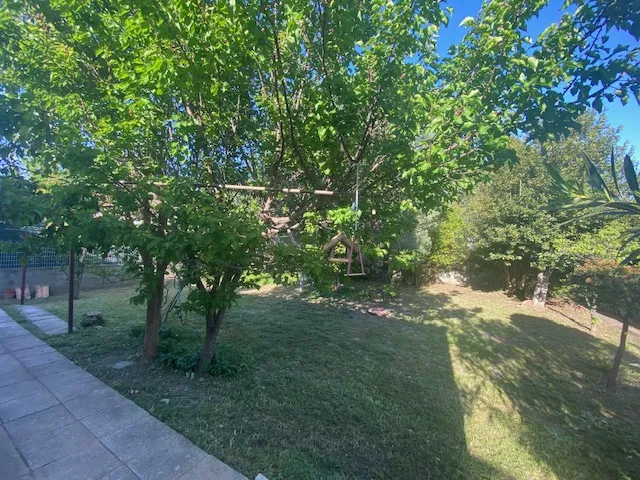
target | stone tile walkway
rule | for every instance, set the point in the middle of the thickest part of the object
(45, 321)
(58, 422)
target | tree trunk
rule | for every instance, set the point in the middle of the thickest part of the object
(78, 278)
(542, 288)
(214, 322)
(613, 375)
(154, 314)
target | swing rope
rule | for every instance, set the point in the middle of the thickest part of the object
(357, 202)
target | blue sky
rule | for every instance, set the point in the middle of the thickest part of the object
(626, 116)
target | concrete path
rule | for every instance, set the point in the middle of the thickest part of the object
(58, 422)
(45, 321)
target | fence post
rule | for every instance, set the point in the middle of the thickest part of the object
(23, 284)
(72, 265)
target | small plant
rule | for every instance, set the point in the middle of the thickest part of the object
(227, 362)
(136, 331)
(178, 355)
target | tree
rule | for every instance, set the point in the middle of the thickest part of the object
(227, 244)
(592, 193)
(128, 98)
(508, 229)
(617, 289)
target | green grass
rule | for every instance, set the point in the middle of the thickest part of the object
(458, 384)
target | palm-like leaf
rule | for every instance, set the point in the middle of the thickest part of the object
(576, 196)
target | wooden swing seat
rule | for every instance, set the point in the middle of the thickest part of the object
(351, 246)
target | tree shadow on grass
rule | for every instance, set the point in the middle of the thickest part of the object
(554, 376)
(344, 394)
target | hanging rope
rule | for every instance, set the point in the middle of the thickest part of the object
(357, 202)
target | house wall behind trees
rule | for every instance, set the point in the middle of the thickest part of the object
(58, 279)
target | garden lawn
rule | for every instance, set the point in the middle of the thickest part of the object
(457, 383)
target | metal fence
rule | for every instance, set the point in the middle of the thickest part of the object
(49, 258)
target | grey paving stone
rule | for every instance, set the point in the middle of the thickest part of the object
(19, 390)
(45, 321)
(76, 388)
(109, 420)
(135, 439)
(94, 402)
(54, 445)
(9, 364)
(121, 473)
(18, 375)
(56, 331)
(39, 423)
(32, 352)
(170, 459)
(65, 377)
(49, 323)
(41, 359)
(11, 465)
(90, 463)
(24, 406)
(22, 342)
(212, 468)
(122, 364)
(40, 371)
(12, 330)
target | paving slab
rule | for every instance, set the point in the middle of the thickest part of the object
(54, 445)
(15, 376)
(12, 330)
(41, 359)
(59, 422)
(19, 390)
(133, 441)
(33, 351)
(21, 342)
(212, 468)
(12, 467)
(9, 364)
(121, 473)
(21, 407)
(91, 463)
(169, 459)
(40, 371)
(39, 423)
(45, 321)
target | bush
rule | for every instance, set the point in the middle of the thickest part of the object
(183, 355)
(612, 288)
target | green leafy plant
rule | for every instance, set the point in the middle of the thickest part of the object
(593, 193)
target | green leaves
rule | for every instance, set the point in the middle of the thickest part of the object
(632, 178)
(599, 196)
(467, 22)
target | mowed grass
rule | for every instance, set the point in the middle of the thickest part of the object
(456, 384)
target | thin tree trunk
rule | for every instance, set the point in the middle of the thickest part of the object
(542, 288)
(154, 314)
(78, 278)
(613, 375)
(214, 322)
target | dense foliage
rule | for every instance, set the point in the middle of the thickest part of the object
(507, 233)
(122, 109)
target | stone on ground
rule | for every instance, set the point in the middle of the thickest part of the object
(90, 319)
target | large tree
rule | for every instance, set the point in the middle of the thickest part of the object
(509, 231)
(127, 99)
